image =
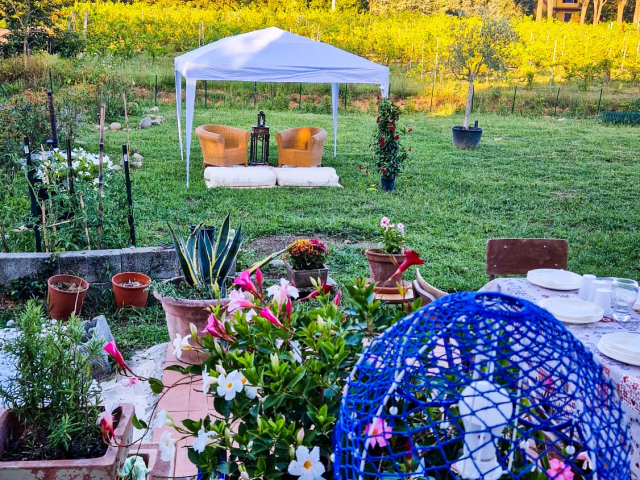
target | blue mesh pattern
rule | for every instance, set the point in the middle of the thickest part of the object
(481, 386)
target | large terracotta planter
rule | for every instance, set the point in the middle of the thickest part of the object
(134, 296)
(302, 278)
(180, 313)
(61, 304)
(383, 265)
(101, 468)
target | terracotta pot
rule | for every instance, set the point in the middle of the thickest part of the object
(302, 278)
(62, 304)
(130, 296)
(180, 312)
(101, 468)
(383, 265)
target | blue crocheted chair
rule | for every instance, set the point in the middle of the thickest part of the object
(480, 386)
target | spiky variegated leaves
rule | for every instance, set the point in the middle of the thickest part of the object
(206, 260)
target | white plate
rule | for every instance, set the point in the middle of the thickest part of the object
(573, 310)
(606, 348)
(554, 279)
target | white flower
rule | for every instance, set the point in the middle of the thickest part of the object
(207, 381)
(167, 446)
(249, 390)
(180, 344)
(230, 385)
(162, 419)
(589, 460)
(248, 316)
(204, 439)
(282, 291)
(244, 475)
(307, 464)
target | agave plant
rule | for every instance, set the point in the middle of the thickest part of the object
(205, 258)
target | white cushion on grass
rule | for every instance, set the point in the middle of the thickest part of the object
(245, 177)
(307, 177)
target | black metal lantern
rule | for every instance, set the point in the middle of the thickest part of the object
(259, 134)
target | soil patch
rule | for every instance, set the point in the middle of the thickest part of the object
(264, 246)
(131, 284)
(34, 446)
(68, 286)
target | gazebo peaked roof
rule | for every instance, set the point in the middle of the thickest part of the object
(272, 55)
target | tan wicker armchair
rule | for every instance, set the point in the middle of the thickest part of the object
(301, 147)
(223, 146)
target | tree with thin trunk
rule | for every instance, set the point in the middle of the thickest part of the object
(549, 9)
(479, 43)
(621, 5)
(636, 12)
(28, 17)
(597, 10)
(583, 10)
(539, 10)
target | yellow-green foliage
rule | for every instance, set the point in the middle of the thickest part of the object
(580, 51)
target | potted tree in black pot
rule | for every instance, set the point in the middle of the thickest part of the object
(479, 43)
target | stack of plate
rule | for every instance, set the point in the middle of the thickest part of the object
(554, 279)
(573, 310)
(624, 347)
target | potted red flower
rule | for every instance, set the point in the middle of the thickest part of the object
(306, 262)
(387, 149)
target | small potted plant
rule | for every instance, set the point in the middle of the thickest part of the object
(387, 149)
(206, 261)
(479, 43)
(65, 295)
(130, 289)
(306, 259)
(52, 426)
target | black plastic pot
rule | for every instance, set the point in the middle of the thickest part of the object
(466, 138)
(387, 184)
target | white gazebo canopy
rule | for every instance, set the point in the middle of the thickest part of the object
(272, 55)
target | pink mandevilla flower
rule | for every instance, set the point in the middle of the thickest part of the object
(559, 471)
(384, 222)
(267, 314)
(338, 297)
(281, 292)
(379, 432)
(259, 279)
(121, 365)
(237, 301)
(245, 283)
(216, 328)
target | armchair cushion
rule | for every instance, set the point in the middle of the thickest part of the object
(223, 146)
(301, 146)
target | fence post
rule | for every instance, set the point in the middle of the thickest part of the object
(127, 180)
(255, 93)
(513, 103)
(599, 101)
(155, 92)
(35, 216)
(346, 93)
(205, 94)
(300, 96)
(473, 97)
(556, 107)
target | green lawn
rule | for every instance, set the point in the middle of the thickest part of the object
(531, 177)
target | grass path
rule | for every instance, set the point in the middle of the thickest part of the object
(531, 177)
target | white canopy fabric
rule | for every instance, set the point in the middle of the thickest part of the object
(271, 55)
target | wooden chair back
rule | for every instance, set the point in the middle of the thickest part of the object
(516, 256)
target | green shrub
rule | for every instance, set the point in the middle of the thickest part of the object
(52, 393)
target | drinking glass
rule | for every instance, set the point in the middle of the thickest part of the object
(623, 295)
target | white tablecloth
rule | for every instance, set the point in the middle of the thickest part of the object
(625, 377)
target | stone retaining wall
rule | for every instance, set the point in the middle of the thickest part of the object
(95, 266)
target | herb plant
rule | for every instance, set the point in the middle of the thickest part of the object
(52, 393)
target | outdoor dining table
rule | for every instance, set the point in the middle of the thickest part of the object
(626, 378)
